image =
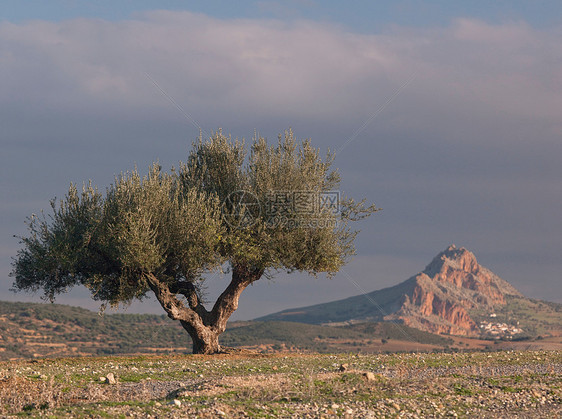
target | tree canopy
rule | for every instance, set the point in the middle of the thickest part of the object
(278, 208)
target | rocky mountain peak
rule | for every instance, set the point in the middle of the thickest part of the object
(450, 287)
(456, 272)
(452, 258)
(458, 267)
(441, 299)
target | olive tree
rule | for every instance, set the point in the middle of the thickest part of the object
(277, 208)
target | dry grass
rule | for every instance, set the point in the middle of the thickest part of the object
(501, 384)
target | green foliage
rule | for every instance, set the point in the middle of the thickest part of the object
(399, 331)
(317, 240)
(313, 337)
(152, 225)
(215, 166)
(55, 253)
(176, 226)
(142, 225)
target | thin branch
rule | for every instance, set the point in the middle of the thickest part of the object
(189, 291)
(175, 309)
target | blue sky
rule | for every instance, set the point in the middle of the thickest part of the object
(445, 114)
(362, 15)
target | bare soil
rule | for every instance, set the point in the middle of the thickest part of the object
(415, 385)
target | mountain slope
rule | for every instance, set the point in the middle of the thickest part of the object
(37, 330)
(452, 295)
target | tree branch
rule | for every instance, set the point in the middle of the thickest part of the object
(189, 291)
(175, 309)
(227, 303)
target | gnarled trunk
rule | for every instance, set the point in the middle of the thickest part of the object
(205, 339)
(203, 326)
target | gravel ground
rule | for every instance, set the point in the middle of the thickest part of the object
(502, 384)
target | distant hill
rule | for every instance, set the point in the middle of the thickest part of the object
(35, 330)
(366, 337)
(452, 295)
(29, 330)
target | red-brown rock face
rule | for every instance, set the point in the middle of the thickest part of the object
(459, 267)
(429, 303)
(450, 285)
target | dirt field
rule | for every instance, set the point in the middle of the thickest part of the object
(479, 384)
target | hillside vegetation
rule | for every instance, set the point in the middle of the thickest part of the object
(39, 330)
(367, 337)
(32, 330)
(535, 317)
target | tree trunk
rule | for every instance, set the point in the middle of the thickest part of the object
(203, 326)
(205, 339)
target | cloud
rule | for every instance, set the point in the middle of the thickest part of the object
(304, 69)
(259, 69)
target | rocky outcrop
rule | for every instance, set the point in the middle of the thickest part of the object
(447, 289)
(430, 303)
(459, 267)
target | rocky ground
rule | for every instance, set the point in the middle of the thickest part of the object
(480, 384)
